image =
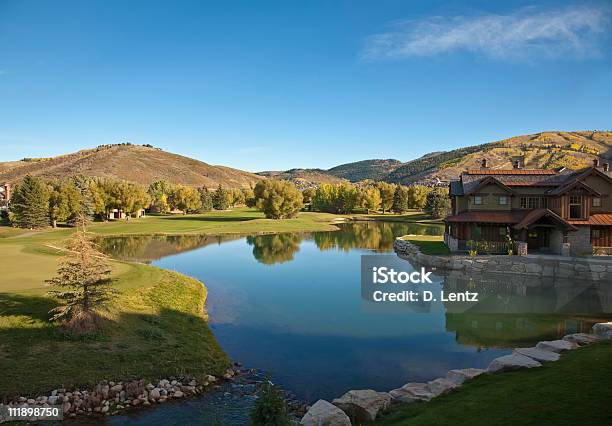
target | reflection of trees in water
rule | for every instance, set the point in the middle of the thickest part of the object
(378, 236)
(275, 248)
(152, 247)
(268, 249)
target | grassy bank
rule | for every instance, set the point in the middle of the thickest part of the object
(156, 328)
(429, 244)
(574, 390)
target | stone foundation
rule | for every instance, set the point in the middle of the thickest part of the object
(539, 266)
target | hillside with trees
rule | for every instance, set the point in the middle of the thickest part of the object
(545, 150)
(133, 163)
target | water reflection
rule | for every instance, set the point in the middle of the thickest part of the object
(291, 304)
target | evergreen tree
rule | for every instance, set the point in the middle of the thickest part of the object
(87, 212)
(221, 199)
(400, 199)
(206, 199)
(30, 204)
(438, 203)
(84, 277)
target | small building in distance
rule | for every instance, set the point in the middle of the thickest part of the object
(5, 195)
(120, 214)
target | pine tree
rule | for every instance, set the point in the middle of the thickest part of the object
(84, 276)
(400, 199)
(30, 204)
(221, 199)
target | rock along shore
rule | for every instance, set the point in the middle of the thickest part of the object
(358, 406)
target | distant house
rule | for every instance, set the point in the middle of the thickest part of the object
(556, 211)
(5, 195)
(120, 214)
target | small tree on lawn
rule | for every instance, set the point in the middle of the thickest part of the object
(84, 277)
(270, 409)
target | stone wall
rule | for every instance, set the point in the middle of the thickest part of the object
(539, 266)
(580, 241)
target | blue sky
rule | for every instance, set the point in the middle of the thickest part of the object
(262, 85)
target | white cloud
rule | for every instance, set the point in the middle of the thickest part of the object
(528, 33)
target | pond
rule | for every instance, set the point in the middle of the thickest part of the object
(290, 305)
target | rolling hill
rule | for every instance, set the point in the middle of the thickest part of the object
(540, 150)
(134, 163)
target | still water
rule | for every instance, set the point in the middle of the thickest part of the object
(290, 305)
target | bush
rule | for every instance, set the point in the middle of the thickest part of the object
(270, 409)
(278, 199)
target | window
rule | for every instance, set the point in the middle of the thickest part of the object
(533, 202)
(596, 202)
(503, 200)
(477, 200)
(595, 234)
(575, 210)
(502, 231)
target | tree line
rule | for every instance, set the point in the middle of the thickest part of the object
(39, 203)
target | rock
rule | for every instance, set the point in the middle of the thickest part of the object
(582, 338)
(66, 406)
(556, 345)
(155, 394)
(116, 389)
(538, 354)
(512, 362)
(460, 376)
(52, 399)
(322, 413)
(363, 405)
(412, 392)
(150, 387)
(602, 329)
(174, 382)
(163, 383)
(439, 386)
(211, 379)
(178, 394)
(193, 383)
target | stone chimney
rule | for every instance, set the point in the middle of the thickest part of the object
(485, 165)
(518, 161)
(596, 162)
(606, 167)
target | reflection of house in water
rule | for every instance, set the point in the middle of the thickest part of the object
(514, 310)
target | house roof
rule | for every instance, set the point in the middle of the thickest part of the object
(572, 184)
(597, 219)
(534, 215)
(505, 217)
(511, 172)
(489, 180)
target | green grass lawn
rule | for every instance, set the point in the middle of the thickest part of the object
(429, 244)
(416, 216)
(573, 391)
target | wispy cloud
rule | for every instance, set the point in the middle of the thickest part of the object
(527, 33)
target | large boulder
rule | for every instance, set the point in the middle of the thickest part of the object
(582, 338)
(461, 375)
(512, 362)
(322, 413)
(603, 329)
(363, 405)
(538, 354)
(556, 345)
(412, 392)
(439, 386)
